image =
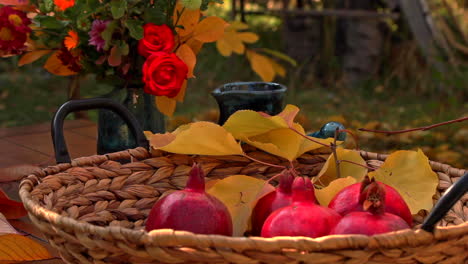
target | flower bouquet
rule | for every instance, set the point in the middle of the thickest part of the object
(151, 44)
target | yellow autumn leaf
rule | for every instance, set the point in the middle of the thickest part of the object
(166, 105)
(198, 138)
(280, 70)
(248, 37)
(180, 96)
(188, 20)
(186, 54)
(32, 56)
(411, 175)
(234, 43)
(237, 25)
(240, 193)
(223, 47)
(261, 65)
(328, 172)
(195, 45)
(247, 123)
(55, 66)
(272, 134)
(17, 248)
(325, 195)
(209, 29)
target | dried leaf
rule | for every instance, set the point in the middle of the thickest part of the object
(32, 56)
(185, 53)
(409, 172)
(209, 29)
(55, 66)
(240, 193)
(166, 105)
(11, 209)
(199, 138)
(325, 195)
(16, 248)
(328, 172)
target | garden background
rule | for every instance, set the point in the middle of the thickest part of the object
(406, 89)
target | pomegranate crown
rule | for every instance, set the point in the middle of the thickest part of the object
(286, 181)
(196, 180)
(372, 197)
(303, 190)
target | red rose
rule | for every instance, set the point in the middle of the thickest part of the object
(164, 74)
(155, 38)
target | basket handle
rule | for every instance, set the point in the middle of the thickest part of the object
(60, 147)
(445, 203)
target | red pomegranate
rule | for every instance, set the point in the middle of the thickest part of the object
(373, 220)
(350, 200)
(303, 217)
(191, 209)
(279, 198)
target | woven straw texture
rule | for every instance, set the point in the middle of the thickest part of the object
(93, 210)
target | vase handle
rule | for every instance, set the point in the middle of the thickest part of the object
(446, 202)
(58, 139)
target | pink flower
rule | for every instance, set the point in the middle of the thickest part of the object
(95, 34)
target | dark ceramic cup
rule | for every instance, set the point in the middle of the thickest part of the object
(266, 97)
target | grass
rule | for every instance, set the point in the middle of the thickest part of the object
(30, 95)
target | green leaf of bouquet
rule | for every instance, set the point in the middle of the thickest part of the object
(93, 4)
(48, 5)
(124, 48)
(107, 34)
(135, 27)
(155, 16)
(49, 22)
(118, 8)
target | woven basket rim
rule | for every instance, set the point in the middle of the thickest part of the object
(169, 237)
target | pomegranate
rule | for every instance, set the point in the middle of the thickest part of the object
(373, 220)
(303, 217)
(350, 199)
(279, 198)
(191, 209)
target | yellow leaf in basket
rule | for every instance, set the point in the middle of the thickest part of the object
(272, 134)
(328, 172)
(199, 138)
(17, 249)
(410, 173)
(240, 193)
(325, 195)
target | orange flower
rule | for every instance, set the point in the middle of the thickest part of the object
(71, 41)
(64, 4)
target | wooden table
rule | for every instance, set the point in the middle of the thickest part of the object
(21, 147)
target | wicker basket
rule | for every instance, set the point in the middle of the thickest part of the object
(93, 209)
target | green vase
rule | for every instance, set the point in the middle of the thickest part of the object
(113, 133)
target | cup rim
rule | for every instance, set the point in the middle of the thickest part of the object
(218, 91)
